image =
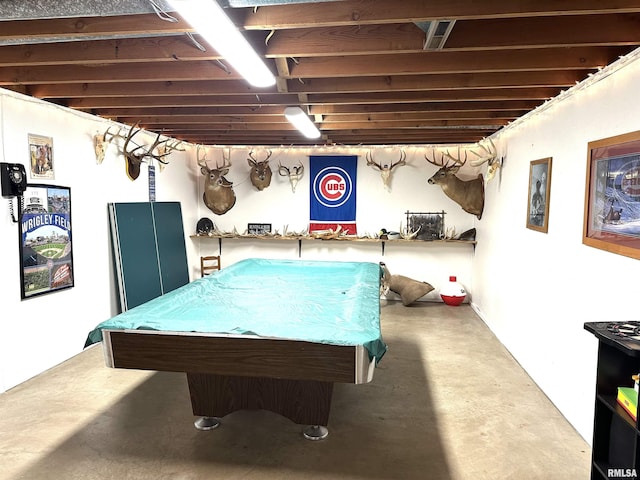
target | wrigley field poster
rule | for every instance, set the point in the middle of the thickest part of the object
(45, 240)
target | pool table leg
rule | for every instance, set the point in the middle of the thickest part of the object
(315, 432)
(207, 423)
(305, 402)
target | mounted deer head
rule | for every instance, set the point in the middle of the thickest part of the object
(260, 171)
(218, 195)
(469, 194)
(294, 174)
(488, 155)
(385, 170)
(136, 155)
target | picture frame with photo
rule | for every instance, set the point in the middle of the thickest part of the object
(41, 157)
(612, 195)
(539, 194)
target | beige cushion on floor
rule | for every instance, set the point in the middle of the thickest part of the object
(409, 289)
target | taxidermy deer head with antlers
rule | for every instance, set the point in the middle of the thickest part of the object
(218, 195)
(469, 194)
(135, 154)
(260, 171)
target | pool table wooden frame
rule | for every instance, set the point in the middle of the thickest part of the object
(226, 373)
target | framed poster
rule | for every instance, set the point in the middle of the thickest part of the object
(45, 240)
(41, 157)
(612, 195)
(538, 197)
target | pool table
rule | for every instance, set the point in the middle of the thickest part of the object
(259, 334)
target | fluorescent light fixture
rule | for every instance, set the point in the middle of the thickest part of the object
(210, 21)
(302, 122)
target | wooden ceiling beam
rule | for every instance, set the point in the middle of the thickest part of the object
(79, 27)
(123, 50)
(242, 110)
(471, 116)
(256, 120)
(364, 12)
(127, 72)
(612, 29)
(494, 124)
(467, 35)
(540, 93)
(169, 125)
(555, 78)
(454, 81)
(352, 109)
(351, 40)
(424, 107)
(373, 137)
(437, 96)
(145, 89)
(576, 58)
(406, 116)
(180, 101)
(581, 59)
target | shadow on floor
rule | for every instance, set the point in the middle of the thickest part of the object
(383, 430)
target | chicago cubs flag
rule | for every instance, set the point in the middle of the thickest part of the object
(333, 193)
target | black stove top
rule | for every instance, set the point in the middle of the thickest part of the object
(624, 334)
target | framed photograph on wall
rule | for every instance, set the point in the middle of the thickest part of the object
(45, 240)
(612, 195)
(539, 194)
(41, 157)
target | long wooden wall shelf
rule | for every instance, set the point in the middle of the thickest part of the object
(343, 238)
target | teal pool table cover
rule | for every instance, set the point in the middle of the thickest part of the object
(336, 303)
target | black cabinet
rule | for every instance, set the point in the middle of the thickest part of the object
(616, 435)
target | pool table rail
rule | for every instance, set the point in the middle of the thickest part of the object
(226, 373)
(237, 355)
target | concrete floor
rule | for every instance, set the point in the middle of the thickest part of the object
(447, 402)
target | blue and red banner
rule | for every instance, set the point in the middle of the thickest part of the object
(333, 193)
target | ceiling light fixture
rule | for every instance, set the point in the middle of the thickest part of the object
(302, 122)
(210, 21)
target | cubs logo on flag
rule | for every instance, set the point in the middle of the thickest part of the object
(333, 193)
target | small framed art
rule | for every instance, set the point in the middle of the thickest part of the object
(539, 195)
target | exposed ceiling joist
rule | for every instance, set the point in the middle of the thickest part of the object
(358, 67)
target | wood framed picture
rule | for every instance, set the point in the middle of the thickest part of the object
(539, 194)
(612, 195)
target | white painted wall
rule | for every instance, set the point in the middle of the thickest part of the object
(534, 290)
(40, 332)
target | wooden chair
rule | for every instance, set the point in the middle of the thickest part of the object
(209, 264)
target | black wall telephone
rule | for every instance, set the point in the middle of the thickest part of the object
(13, 179)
